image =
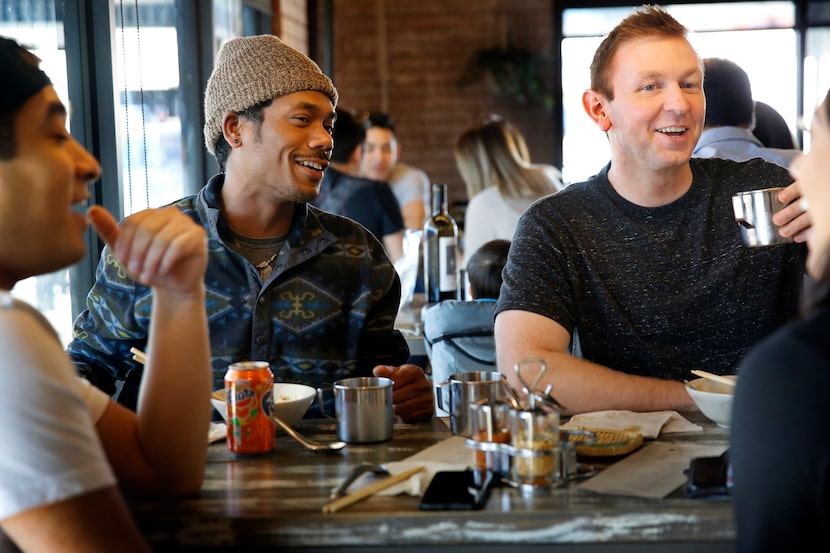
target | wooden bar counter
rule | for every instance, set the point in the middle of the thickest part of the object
(273, 503)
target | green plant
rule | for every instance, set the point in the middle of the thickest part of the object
(514, 71)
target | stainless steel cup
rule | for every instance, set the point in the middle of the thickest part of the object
(363, 409)
(754, 211)
(464, 389)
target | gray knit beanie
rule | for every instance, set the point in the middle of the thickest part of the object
(250, 70)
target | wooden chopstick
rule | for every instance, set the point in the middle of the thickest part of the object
(352, 498)
(141, 358)
(715, 377)
(139, 355)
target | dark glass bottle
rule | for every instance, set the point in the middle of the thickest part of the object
(440, 244)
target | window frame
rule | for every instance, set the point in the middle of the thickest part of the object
(89, 28)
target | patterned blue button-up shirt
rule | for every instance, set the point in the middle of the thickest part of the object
(326, 311)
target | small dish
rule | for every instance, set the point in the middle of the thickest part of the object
(291, 401)
(713, 399)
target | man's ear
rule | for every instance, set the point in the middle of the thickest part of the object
(231, 130)
(357, 155)
(594, 104)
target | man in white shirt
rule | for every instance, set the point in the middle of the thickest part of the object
(68, 447)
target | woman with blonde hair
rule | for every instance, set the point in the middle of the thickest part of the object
(493, 160)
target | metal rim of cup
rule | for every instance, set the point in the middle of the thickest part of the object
(363, 383)
(475, 376)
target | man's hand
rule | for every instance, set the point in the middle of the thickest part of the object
(411, 393)
(793, 220)
(162, 248)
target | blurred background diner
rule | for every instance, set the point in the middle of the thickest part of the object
(367, 200)
(731, 119)
(380, 161)
(771, 128)
(493, 160)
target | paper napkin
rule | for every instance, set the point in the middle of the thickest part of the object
(218, 431)
(449, 454)
(650, 424)
(654, 471)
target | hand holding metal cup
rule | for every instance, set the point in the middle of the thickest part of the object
(753, 212)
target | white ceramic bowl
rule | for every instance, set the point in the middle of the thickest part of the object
(713, 399)
(291, 401)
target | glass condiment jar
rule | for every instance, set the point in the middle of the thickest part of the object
(535, 439)
(490, 427)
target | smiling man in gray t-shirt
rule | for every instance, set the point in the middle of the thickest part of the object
(644, 262)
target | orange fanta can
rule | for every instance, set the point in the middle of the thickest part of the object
(249, 393)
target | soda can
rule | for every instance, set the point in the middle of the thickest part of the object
(249, 392)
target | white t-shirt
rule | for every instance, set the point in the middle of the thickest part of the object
(491, 216)
(408, 184)
(51, 451)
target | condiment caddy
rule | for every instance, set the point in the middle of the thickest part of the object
(520, 441)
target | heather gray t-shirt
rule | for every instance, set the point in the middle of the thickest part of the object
(655, 291)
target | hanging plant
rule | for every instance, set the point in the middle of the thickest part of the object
(513, 71)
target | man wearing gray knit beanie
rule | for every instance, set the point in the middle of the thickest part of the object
(253, 70)
(312, 293)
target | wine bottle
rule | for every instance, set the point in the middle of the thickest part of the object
(440, 243)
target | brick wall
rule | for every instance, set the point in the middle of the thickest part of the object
(405, 57)
(290, 22)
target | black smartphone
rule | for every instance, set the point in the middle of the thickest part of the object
(457, 490)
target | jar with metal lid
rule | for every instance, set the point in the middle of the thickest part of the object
(535, 439)
(490, 430)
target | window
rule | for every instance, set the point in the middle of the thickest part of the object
(129, 105)
(149, 122)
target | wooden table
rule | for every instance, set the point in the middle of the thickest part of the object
(273, 503)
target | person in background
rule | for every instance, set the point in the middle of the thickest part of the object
(311, 293)
(380, 161)
(459, 334)
(67, 447)
(779, 437)
(501, 183)
(367, 201)
(642, 268)
(730, 117)
(771, 128)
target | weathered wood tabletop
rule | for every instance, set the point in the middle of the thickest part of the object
(274, 503)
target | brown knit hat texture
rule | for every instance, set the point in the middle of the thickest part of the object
(250, 70)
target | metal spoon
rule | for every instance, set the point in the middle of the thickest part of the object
(357, 472)
(313, 445)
